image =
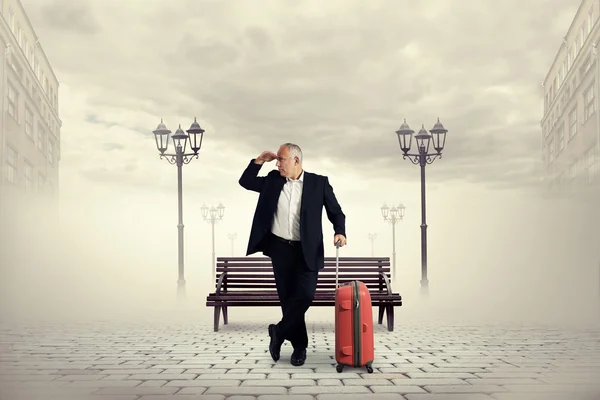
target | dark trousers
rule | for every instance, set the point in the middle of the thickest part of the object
(296, 285)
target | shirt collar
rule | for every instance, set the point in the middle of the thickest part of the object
(301, 178)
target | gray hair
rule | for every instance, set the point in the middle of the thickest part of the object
(295, 150)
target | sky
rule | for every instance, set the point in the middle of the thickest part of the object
(338, 78)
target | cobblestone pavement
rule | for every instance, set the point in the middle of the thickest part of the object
(176, 360)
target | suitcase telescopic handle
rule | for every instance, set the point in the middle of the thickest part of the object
(337, 261)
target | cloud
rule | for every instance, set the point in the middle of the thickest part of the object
(338, 79)
(74, 17)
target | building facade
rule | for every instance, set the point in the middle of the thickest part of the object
(30, 123)
(571, 116)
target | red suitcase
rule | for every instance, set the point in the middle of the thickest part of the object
(354, 337)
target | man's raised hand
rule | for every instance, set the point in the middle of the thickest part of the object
(265, 156)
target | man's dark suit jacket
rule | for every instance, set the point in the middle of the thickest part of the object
(316, 194)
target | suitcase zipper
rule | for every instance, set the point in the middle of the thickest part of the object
(357, 330)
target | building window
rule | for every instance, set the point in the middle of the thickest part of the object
(13, 102)
(11, 165)
(591, 19)
(50, 151)
(41, 137)
(11, 19)
(561, 138)
(28, 177)
(573, 122)
(550, 151)
(561, 76)
(28, 122)
(588, 108)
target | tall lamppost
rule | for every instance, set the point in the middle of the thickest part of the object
(372, 237)
(213, 215)
(180, 140)
(232, 237)
(422, 158)
(393, 215)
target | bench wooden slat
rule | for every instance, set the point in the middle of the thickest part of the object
(330, 286)
(375, 295)
(273, 292)
(267, 270)
(322, 277)
(260, 280)
(326, 265)
(331, 259)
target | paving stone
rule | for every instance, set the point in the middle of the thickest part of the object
(504, 381)
(138, 390)
(179, 397)
(154, 383)
(552, 388)
(446, 396)
(103, 383)
(280, 382)
(362, 396)
(316, 390)
(163, 376)
(232, 376)
(459, 375)
(511, 374)
(329, 375)
(544, 396)
(329, 382)
(247, 390)
(429, 381)
(241, 398)
(204, 383)
(464, 388)
(366, 382)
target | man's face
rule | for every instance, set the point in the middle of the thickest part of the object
(285, 163)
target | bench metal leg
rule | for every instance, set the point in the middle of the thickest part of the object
(225, 316)
(217, 317)
(381, 312)
(390, 317)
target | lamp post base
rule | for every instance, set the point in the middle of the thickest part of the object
(424, 287)
(181, 295)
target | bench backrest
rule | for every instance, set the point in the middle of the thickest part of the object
(256, 273)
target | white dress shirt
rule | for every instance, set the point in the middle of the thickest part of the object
(286, 223)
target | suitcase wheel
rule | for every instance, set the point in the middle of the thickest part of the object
(369, 369)
(339, 368)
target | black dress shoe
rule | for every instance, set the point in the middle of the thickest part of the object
(275, 344)
(298, 357)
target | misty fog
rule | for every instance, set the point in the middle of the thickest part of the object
(493, 256)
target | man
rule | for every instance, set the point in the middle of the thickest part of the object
(287, 227)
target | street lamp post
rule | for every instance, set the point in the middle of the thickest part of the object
(393, 215)
(213, 215)
(372, 237)
(232, 237)
(180, 140)
(422, 158)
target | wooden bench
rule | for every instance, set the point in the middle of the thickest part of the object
(249, 282)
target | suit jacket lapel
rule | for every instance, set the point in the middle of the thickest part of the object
(306, 186)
